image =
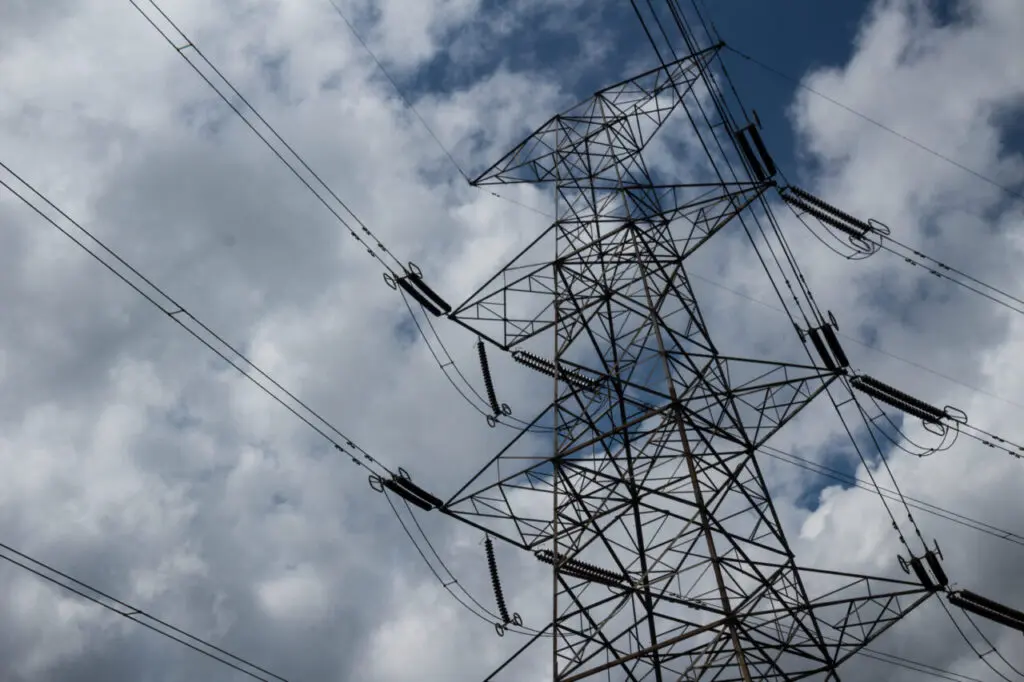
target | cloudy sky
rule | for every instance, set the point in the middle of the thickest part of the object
(138, 463)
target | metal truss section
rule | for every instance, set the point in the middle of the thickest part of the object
(602, 137)
(641, 486)
(517, 304)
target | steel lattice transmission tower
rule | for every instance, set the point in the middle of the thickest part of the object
(640, 484)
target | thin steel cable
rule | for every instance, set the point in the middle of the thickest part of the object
(921, 505)
(725, 115)
(137, 615)
(991, 646)
(176, 312)
(916, 666)
(405, 100)
(444, 566)
(942, 275)
(800, 84)
(412, 108)
(476, 607)
(937, 268)
(885, 462)
(515, 423)
(444, 583)
(970, 644)
(450, 362)
(992, 441)
(190, 45)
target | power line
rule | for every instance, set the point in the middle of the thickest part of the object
(781, 455)
(970, 644)
(867, 652)
(408, 103)
(991, 647)
(790, 275)
(927, 507)
(412, 107)
(885, 241)
(187, 321)
(800, 84)
(286, 154)
(917, 666)
(854, 339)
(121, 608)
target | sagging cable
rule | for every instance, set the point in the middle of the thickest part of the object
(569, 376)
(413, 284)
(986, 608)
(826, 212)
(898, 399)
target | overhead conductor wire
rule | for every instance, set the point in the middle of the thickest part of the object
(725, 115)
(973, 648)
(412, 107)
(294, 161)
(1018, 195)
(915, 257)
(185, 47)
(337, 9)
(921, 505)
(991, 647)
(161, 627)
(398, 90)
(802, 85)
(469, 602)
(189, 322)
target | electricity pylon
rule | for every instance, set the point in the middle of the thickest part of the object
(640, 483)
